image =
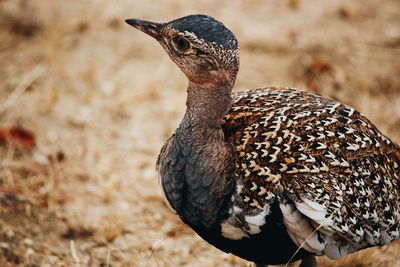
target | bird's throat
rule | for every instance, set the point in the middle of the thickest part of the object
(206, 106)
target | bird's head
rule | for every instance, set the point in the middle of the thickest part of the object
(203, 48)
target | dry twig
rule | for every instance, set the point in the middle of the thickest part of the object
(20, 89)
(73, 253)
(301, 245)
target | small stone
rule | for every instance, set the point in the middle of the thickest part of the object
(28, 241)
(4, 245)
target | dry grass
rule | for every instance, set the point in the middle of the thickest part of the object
(105, 97)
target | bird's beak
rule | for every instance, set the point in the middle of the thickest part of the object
(149, 27)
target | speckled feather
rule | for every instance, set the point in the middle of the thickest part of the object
(293, 145)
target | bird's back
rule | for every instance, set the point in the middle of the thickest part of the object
(335, 177)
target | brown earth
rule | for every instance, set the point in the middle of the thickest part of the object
(86, 103)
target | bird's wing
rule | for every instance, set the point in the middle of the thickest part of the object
(335, 176)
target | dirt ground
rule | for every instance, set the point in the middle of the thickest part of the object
(86, 103)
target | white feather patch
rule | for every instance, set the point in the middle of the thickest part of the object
(256, 221)
(231, 232)
(303, 218)
(300, 229)
(314, 211)
(333, 251)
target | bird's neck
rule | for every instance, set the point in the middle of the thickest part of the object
(208, 104)
(196, 167)
(199, 145)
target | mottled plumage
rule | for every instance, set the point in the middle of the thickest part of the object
(318, 158)
(272, 175)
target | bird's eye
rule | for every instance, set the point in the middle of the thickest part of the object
(181, 43)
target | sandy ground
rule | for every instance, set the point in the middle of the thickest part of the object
(100, 98)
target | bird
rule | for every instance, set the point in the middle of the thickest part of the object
(276, 174)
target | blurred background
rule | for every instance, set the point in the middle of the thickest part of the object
(87, 101)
